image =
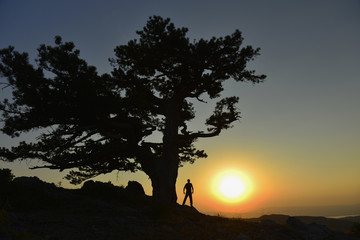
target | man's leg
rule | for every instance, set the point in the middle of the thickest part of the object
(191, 202)
(186, 195)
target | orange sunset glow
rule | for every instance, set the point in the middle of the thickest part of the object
(231, 183)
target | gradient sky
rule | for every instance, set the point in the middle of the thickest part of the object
(298, 141)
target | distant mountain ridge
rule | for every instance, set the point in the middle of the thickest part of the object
(337, 224)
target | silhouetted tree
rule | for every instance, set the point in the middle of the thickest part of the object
(99, 123)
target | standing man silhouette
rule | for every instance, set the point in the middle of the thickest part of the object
(189, 191)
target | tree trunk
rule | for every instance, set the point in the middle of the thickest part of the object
(163, 183)
(163, 171)
(163, 179)
(166, 168)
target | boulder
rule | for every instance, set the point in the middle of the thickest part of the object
(135, 188)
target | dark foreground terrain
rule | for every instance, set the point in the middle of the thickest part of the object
(33, 209)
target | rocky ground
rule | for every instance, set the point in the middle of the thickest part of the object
(37, 210)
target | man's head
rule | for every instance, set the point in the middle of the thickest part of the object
(188, 180)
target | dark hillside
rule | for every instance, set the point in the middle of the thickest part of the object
(352, 219)
(37, 210)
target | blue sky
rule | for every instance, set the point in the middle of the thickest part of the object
(299, 130)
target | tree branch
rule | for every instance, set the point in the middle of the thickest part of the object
(196, 135)
(200, 100)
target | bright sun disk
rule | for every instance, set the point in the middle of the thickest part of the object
(231, 186)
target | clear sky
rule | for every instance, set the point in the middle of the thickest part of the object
(298, 142)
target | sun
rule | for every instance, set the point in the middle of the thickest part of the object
(231, 186)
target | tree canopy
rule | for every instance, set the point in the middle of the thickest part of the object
(95, 124)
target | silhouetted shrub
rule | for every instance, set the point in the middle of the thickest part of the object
(101, 189)
(6, 176)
